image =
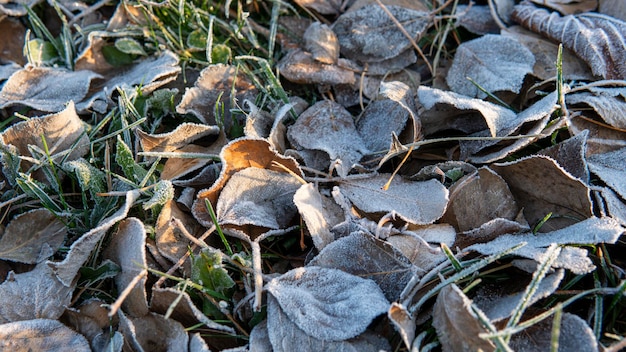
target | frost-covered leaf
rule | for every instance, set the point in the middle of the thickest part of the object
(14, 32)
(570, 154)
(569, 7)
(128, 250)
(541, 186)
(184, 311)
(64, 133)
(322, 43)
(609, 167)
(613, 8)
(184, 134)
(575, 335)
(171, 243)
(152, 332)
(457, 325)
(369, 34)
(495, 62)
(597, 39)
(325, 7)
(32, 237)
(260, 338)
(476, 19)
(124, 158)
(327, 304)
(498, 307)
(129, 45)
(236, 156)
(590, 231)
(41, 335)
(415, 202)
(329, 127)
(478, 198)
(207, 269)
(258, 197)
(609, 103)
(452, 111)
(365, 256)
(417, 247)
(403, 322)
(613, 206)
(46, 89)
(163, 193)
(309, 202)
(212, 93)
(32, 295)
(300, 67)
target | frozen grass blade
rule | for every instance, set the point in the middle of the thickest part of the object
(556, 329)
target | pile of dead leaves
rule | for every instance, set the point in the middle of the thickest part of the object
(467, 199)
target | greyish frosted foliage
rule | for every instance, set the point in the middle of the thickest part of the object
(327, 304)
(144, 333)
(575, 335)
(368, 34)
(310, 206)
(41, 335)
(609, 103)
(496, 63)
(595, 38)
(610, 167)
(417, 202)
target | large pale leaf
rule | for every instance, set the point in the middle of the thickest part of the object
(597, 39)
(456, 323)
(64, 133)
(495, 62)
(610, 168)
(589, 231)
(363, 255)
(541, 186)
(451, 111)
(258, 197)
(369, 34)
(329, 127)
(32, 237)
(41, 335)
(327, 304)
(128, 250)
(46, 89)
(417, 202)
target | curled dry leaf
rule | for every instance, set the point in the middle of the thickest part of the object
(16, 8)
(46, 89)
(541, 186)
(569, 7)
(415, 202)
(457, 324)
(403, 321)
(496, 63)
(476, 19)
(128, 250)
(170, 242)
(260, 338)
(300, 67)
(153, 332)
(570, 154)
(258, 197)
(183, 135)
(591, 230)
(64, 132)
(415, 244)
(41, 335)
(32, 237)
(613, 8)
(363, 255)
(325, 7)
(448, 111)
(11, 47)
(212, 90)
(236, 156)
(575, 335)
(478, 198)
(322, 43)
(609, 103)
(597, 39)
(609, 167)
(326, 304)
(309, 202)
(368, 34)
(327, 126)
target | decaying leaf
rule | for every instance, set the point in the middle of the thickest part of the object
(609, 103)
(260, 338)
(41, 335)
(309, 202)
(609, 167)
(183, 135)
(570, 154)
(64, 133)
(211, 94)
(476, 19)
(325, 7)
(32, 237)
(613, 8)
(597, 39)
(153, 332)
(363, 255)
(170, 242)
(416, 202)
(478, 198)
(457, 324)
(403, 322)
(575, 335)
(128, 250)
(300, 67)
(327, 126)
(238, 155)
(326, 304)
(449, 111)
(494, 62)
(569, 7)
(12, 45)
(368, 34)
(591, 230)
(541, 186)
(40, 87)
(415, 244)
(322, 43)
